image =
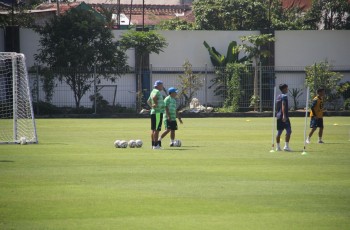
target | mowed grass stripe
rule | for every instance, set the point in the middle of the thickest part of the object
(223, 177)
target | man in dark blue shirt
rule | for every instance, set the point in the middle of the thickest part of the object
(283, 122)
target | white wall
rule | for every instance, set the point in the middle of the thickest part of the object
(189, 45)
(292, 48)
(303, 48)
(29, 44)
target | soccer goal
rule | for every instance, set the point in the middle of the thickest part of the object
(17, 124)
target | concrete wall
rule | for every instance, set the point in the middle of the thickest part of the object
(292, 48)
(303, 48)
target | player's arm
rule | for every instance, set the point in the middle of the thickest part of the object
(178, 116)
(283, 110)
(149, 102)
(155, 101)
(167, 112)
(313, 108)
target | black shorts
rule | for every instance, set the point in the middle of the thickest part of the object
(316, 123)
(156, 121)
(284, 125)
(170, 124)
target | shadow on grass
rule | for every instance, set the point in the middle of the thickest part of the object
(6, 161)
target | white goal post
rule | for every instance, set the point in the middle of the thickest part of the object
(17, 124)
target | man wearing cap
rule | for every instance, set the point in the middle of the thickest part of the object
(170, 115)
(156, 102)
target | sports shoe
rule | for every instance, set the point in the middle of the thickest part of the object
(320, 142)
(308, 141)
(156, 147)
(172, 145)
(287, 149)
(278, 149)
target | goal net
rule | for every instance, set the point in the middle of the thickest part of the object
(17, 122)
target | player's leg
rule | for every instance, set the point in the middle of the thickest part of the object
(159, 119)
(173, 128)
(288, 128)
(313, 126)
(153, 128)
(279, 133)
(167, 130)
(320, 131)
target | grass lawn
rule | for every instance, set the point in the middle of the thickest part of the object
(223, 177)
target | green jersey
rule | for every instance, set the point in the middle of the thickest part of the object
(160, 101)
(170, 103)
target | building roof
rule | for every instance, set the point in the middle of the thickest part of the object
(302, 4)
(153, 14)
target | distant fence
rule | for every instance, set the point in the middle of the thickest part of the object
(122, 92)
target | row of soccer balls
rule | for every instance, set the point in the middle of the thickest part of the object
(137, 143)
(125, 144)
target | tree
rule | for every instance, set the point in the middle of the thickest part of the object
(220, 62)
(281, 18)
(245, 15)
(175, 24)
(17, 16)
(320, 75)
(144, 43)
(332, 14)
(253, 46)
(190, 83)
(77, 42)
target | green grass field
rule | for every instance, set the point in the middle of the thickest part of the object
(223, 177)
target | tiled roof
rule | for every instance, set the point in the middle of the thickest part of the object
(303, 4)
(153, 14)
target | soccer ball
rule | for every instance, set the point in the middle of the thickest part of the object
(138, 143)
(123, 144)
(177, 143)
(23, 141)
(116, 144)
(132, 143)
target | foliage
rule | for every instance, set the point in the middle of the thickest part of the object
(234, 90)
(254, 47)
(21, 18)
(190, 83)
(332, 14)
(320, 75)
(220, 62)
(284, 18)
(295, 93)
(175, 24)
(77, 42)
(245, 15)
(344, 89)
(144, 42)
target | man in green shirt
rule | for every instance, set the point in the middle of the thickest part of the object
(156, 102)
(170, 116)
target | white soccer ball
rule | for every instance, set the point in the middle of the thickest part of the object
(138, 143)
(23, 141)
(177, 143)
(116, 143)
(123, 144)
(132, 143)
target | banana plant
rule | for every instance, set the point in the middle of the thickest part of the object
(220, 62)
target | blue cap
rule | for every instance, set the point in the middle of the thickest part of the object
(172, 90)
(158, 82)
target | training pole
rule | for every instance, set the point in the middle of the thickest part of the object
(306, 113)
(273, 121)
